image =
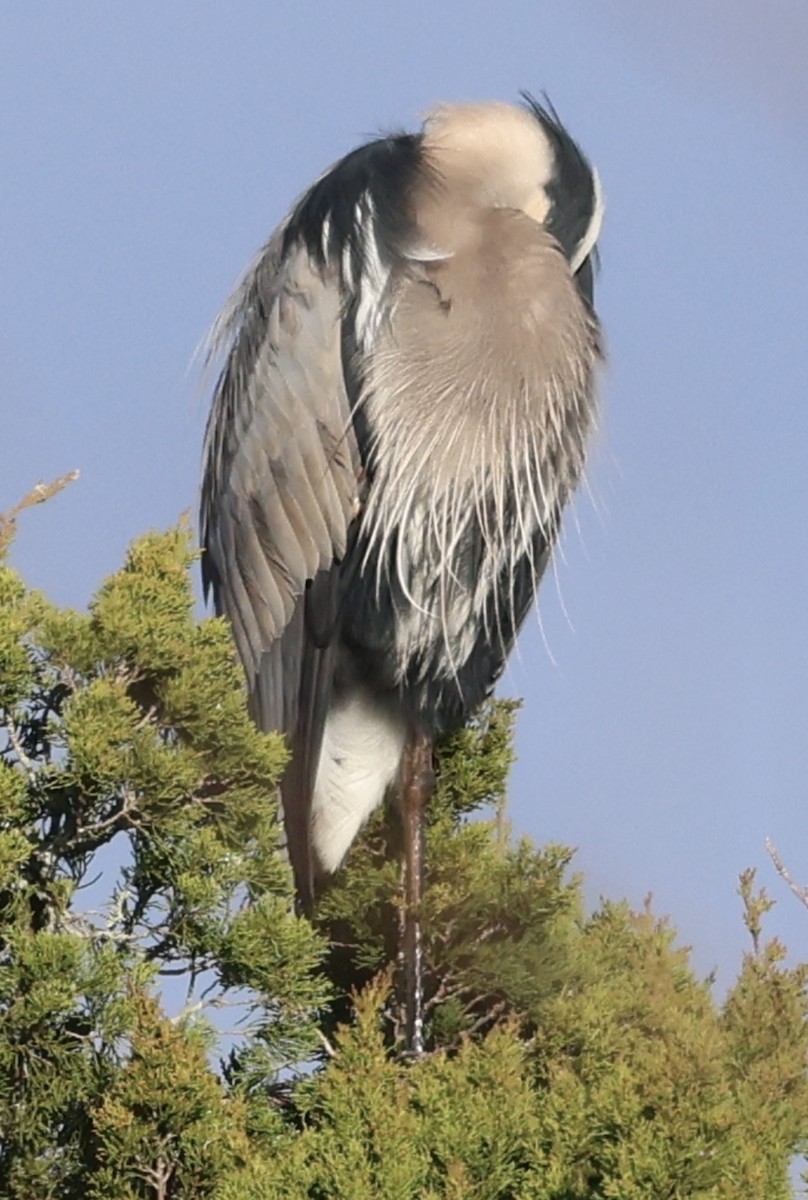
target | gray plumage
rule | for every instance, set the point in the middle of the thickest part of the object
(402, 415)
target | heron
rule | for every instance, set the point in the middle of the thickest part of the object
(407, 392)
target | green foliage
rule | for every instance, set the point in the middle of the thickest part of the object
(127, 744)
(571, 1056)
(498, 916)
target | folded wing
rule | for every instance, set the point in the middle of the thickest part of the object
(278, 498)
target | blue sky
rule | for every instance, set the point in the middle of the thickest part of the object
(149, 149)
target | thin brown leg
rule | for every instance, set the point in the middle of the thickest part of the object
(417, 785)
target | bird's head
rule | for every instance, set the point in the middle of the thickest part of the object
(498, 155)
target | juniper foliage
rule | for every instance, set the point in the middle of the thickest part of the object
(572, 1056)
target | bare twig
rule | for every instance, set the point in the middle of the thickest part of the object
(488, 1018)
(14, 738)
(800, 891)
(43, 491)
(446, 990)
(158, 1177)
(126, 812)
(37, 495)
(327, 1045)
(147, 717)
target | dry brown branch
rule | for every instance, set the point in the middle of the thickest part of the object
(38, 494)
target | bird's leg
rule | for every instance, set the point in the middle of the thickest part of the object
(417, 785)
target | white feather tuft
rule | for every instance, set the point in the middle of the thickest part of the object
(362, 746)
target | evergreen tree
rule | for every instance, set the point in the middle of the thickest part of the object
(571, 1056)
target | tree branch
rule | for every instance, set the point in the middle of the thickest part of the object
(799, 891)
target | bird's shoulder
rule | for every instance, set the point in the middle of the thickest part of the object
(360, 208)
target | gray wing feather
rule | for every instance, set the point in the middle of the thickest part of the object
(278, 497)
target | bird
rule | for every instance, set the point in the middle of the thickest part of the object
(407, 391)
